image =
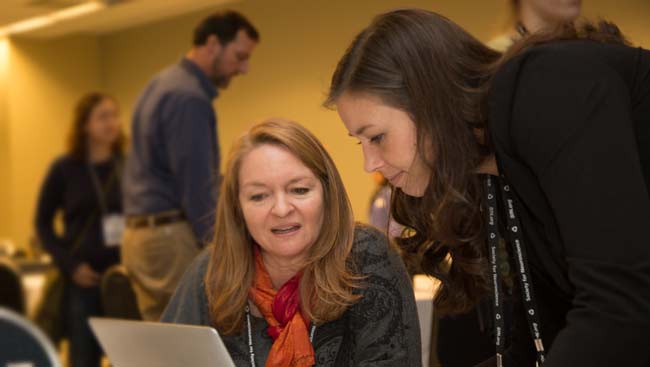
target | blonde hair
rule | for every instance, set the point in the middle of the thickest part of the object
(328, 281)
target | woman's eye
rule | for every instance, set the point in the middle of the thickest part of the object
(377, 138)
(300, 190)
(257, 197)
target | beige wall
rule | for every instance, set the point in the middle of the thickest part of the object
(44, 81)
(632, 16)
(6, 224)
(290, 71)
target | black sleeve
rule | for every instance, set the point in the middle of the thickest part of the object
(572, 126)
(384, 322)
(50, 200)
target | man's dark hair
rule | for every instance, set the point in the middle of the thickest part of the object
(224, 25)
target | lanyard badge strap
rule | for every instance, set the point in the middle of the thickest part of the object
(514, 231)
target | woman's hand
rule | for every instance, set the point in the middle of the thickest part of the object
(85, 277)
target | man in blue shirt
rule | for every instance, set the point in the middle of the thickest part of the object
(170, 178)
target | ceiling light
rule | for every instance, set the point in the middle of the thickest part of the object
(41, 21)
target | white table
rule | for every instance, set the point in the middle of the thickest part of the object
(33, 276)
(33, 286)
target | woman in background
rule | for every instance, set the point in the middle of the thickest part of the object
(84, 186)
(533, 16)
(379, 208)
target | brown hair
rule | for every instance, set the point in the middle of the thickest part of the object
(77, 138)
(327, 284)
(224, 25)
(419, 61)
(426, 65)
(601, 31)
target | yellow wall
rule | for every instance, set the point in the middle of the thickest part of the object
(45, 80)
(290, 71)
(632, 16)
(5, 163)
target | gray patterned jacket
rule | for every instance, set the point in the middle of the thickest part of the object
(380, 330)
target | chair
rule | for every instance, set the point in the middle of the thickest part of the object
(118, 297)
(11, 287)
(22, 344)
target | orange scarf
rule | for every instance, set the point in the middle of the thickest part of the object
(291, 346)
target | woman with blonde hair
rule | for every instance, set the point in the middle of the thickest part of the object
(290, 280)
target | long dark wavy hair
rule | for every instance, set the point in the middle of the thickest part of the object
(428, 66)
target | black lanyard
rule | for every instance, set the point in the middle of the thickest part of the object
(528, 298)
(249, 329)
(100, 191)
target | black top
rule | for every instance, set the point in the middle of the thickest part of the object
(566, 120)
(380, 330)
(68, 186)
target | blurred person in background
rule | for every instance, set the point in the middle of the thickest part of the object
(532, 16)
(379, 209)
(84, 186)
(171, 176)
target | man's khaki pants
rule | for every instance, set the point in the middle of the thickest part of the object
(156, 259)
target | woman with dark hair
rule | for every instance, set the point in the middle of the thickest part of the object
(290, 280)
(546, 147)
(84, 185)
(534, 16)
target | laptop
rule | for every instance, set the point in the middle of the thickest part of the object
(151, 344)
